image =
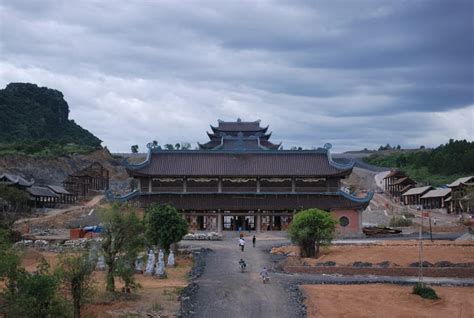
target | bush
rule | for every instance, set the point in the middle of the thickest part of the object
(424, 291)
(400, 222)
(408, 215)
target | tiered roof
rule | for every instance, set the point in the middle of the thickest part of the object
(313, 163)
(239, 135)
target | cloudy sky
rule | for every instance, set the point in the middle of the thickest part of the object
(353, 73)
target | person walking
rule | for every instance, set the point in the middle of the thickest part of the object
(242, 243)
(254, 240)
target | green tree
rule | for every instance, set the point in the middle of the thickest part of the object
(164, 226)
(169, 147)
(310, 229)
(122, 233)
(185, 146)
(76, 273)
(34, 295)
(134, 148)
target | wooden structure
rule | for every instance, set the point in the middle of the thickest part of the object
(14, 180)
(93, 178)
(397, 182)
(435, 199)
(42, 197)
(64, 196)
(462, 191)
(240, 180)
(413, 196)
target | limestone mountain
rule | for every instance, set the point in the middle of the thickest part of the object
(31, 113)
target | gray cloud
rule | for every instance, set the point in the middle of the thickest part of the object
(354, 73)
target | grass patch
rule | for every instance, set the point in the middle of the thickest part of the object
(424, 291)
(179, 290)
(156, 307)
(400, 222)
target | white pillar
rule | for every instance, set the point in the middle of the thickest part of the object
(149, 184)
(185, 185)
(219, 185)
(258, 185)
(293, 185)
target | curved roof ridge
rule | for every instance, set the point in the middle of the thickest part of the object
(366, 199)
(109, 196)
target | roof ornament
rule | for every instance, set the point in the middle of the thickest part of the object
(153, 145)
(327, 146)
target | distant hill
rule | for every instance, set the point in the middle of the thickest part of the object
(29, 113)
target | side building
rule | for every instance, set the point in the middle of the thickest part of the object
(240, 180)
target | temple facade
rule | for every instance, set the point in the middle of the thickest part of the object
(239, 180)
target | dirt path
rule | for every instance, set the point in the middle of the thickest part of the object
(226, 292)
(56, 214)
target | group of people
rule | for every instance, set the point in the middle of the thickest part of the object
(242, 241)
(243, 264)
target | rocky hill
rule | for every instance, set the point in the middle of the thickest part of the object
(31, 113)
(55, 170)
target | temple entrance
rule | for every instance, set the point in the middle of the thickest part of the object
(239, 223)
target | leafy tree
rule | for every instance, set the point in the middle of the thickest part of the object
(310, 229)
(12, 203)
(169, 147)
(34, 294)
(121, 236)
(134, 148)
(177, 146)
(185, 146)
(76, 273)
(164, 225)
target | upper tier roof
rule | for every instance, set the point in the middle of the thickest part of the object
(239, 125)
(242, 135)
(315, 163)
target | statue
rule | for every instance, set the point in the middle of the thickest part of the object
(139, 265)
(101, 263)
(160, 270)
(150, 264)
(171, 262)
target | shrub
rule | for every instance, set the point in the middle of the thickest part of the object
(400, 222)
(425, 291)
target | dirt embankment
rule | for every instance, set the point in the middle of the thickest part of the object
(55, 170)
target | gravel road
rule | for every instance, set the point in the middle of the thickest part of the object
(224, 291)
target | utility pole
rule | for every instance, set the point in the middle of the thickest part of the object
(420, 268)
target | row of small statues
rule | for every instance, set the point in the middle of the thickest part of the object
(153, 267)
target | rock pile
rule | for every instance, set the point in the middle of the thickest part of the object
(211, 236)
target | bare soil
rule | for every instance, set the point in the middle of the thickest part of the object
(397, 252)
(155, 295)
(383, 300)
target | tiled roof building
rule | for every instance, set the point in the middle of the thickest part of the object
(241, 180)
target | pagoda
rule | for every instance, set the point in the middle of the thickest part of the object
(239, 135)
(240, 180)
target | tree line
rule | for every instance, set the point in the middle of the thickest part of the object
(454, 158)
